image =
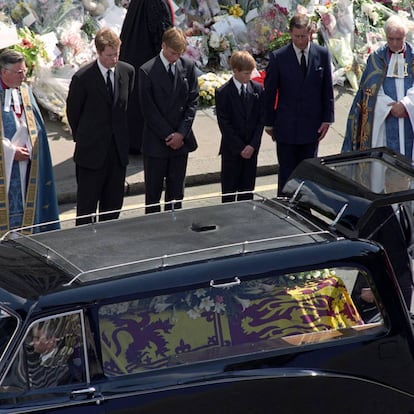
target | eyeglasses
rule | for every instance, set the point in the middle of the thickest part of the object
(17, 72)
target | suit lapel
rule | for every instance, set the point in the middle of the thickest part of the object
(179, 76)
(313, 59)
(250, 97)
(121, 82)
(118, 81)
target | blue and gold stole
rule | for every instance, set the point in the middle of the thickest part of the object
(31, 192)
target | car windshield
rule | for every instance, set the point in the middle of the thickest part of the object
(8, 325)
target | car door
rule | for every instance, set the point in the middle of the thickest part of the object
(245, 344)
(50, 372)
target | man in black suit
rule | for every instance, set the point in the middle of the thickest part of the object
(168, 90)
(239, 115)
(300, 76)
(141, 36)
(96, 109)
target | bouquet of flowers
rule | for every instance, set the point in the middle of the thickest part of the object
(51, 89)
(295, 279)
(268, 30)
(74, 44)
(208, 83)
(280, 39)
(33, 49)
(196, 50)
(228, 33)
(219, 42)
(337, 23)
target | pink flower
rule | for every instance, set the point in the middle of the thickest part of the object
(27, 44)
(72, 41)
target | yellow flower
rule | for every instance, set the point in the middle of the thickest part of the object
(208, 83)
(236, 10)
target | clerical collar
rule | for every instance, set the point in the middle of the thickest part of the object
(11, 98)
(397, 66)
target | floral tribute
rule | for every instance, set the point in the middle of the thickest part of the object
(208, 83)
(268, 31)
(33, 49)
(56, 36)
(352, 30)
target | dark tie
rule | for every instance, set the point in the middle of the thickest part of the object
(303, 63)
(109, 85)
(243, 93)
(170, 72)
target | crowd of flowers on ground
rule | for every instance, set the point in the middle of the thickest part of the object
(56, 36)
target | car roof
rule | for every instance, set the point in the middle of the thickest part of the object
(90, 253)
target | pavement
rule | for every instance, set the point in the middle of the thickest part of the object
(203, 164)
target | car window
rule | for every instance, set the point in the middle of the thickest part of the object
(231, 319)
(8, 326)
(51, 354)
(375, 176)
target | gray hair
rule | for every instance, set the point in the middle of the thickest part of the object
(395, 23)
(10, 57)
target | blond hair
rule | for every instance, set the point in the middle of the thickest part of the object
(175, 39)
(106, 37)
(242, 60)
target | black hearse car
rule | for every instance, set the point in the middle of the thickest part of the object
(270, 305)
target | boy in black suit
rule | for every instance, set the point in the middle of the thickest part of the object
(239, 116)
(168, 92)
(141, 35)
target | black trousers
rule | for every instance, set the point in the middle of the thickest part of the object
(289, 157)
(170, 170)
(101, 189)
(237, 175)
